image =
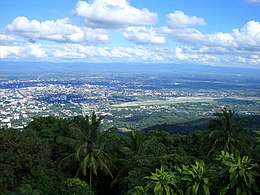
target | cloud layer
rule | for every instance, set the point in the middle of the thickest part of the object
(109, 23)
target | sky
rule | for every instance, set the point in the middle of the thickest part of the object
(221, 33)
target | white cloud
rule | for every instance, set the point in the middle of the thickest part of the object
(60, 31)
(178, 19)
(6, 38)
(78, 52)
(22, 38)
(36, 51)
(84, 53)
(143, 35)
(96, 35)
(240, 46)
(9, 51)
(188, 35)
(104, 54)
(29, 51)
(189, 55)
(113, 14)
(255, 59)
(247, 38)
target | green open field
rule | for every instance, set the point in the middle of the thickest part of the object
(177, 100)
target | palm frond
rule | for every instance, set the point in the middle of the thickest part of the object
(66, 159)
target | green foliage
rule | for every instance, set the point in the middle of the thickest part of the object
(136, 142)
(48, 180)
(256, 150)
(170, 149)
(50, 127)
(257, 135)
(29, 159)
(130, 152)
(26, 189)
(89, 146)
(135, 176)
(195, 179)
(242, 174)
(75, 186)
(226, 134)
(22, 157)
(164, 182)
(157, 148)
(139, 190)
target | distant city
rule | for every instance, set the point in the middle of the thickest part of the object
(129, 99)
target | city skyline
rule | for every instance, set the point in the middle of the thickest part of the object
(224, 33)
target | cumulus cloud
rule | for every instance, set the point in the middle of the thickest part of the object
(249, 36)
(246, 38)
(179, 19)
(60, 31)
(9, 51)
(113, 14)
(6, 38)
(29, 51)
(194, 37)
(36, 50)
(20, 41)
(143, 35)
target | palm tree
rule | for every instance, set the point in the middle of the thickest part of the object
(257, 135)
(225, 134)
(136, 142)
(132, 147)
(89, 146)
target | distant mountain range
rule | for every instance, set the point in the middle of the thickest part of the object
(33, 67)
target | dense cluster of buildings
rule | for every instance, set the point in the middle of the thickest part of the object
(20, 103)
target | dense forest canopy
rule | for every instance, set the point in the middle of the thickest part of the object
(78, 156)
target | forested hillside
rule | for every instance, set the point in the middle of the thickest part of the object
(79, 156)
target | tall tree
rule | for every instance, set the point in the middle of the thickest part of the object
(257, 135)
(136, 143)
(255, 153)
(225, 134)
(133, 145)
(89, 147)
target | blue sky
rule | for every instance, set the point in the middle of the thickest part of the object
(223, 32)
